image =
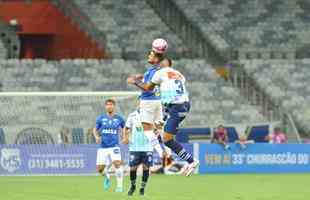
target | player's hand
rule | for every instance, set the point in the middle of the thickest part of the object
(131, 80)
(125, 141)
(97, 140)
(138, 76)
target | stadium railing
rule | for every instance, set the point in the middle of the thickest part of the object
(271, 108)
(10, 39)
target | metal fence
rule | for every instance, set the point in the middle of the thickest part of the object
(270, 108)
(10, 39)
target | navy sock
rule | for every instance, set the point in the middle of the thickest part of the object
(133, 177)
(179, 150)
(145, 177)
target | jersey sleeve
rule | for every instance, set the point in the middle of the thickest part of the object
(156, 79)
(98, 123)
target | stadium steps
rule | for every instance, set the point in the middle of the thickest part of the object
(194, 37)
(70, 9)
(130, 27)
(237, 29)
(214, 101)
(286, 85)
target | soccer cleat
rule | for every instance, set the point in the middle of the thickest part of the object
(191, 168)
(131, 190)
(119, 189)
(141, 191)
(106, 183)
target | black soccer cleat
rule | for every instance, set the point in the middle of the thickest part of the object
(131, 190)
(142, 191)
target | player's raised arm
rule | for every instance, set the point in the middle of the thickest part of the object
(139, 83)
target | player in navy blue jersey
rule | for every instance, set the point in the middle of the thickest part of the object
(109, 127)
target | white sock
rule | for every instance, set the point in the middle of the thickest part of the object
(154, 141)
(119, 173)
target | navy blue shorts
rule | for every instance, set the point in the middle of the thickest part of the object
(176, 113)
(140, 157)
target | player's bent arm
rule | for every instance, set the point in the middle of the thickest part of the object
(96, 135)
(139, 83)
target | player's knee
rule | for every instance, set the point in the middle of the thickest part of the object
(117, 164)
(145, 167)
(100, 169)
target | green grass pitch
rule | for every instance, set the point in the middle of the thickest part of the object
(160, 187)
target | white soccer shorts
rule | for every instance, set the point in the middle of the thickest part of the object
(105, 156)
(151, 111)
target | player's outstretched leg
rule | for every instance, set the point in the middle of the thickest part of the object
(133, 178)
(171, 126)
(182, 153)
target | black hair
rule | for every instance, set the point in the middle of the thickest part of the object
(110, 101)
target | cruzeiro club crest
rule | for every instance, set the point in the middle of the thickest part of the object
(10, 159)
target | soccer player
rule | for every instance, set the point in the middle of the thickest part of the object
(140, 149)
(175, 98)
(150, 103)
(108, 128)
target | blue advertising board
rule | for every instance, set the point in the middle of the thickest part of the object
(47, 159)
(255, 158)
(54, 159)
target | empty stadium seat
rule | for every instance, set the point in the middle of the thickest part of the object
(130, 28)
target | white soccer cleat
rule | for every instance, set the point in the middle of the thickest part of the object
(191, 168)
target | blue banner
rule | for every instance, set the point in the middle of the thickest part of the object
(55, 159)
(47, 159)
(255, 158)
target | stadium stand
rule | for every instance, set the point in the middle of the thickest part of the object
(215, 101)
(285, 82)
(256, 27)
(129, 27)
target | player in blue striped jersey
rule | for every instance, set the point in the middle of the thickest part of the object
(140, 148)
